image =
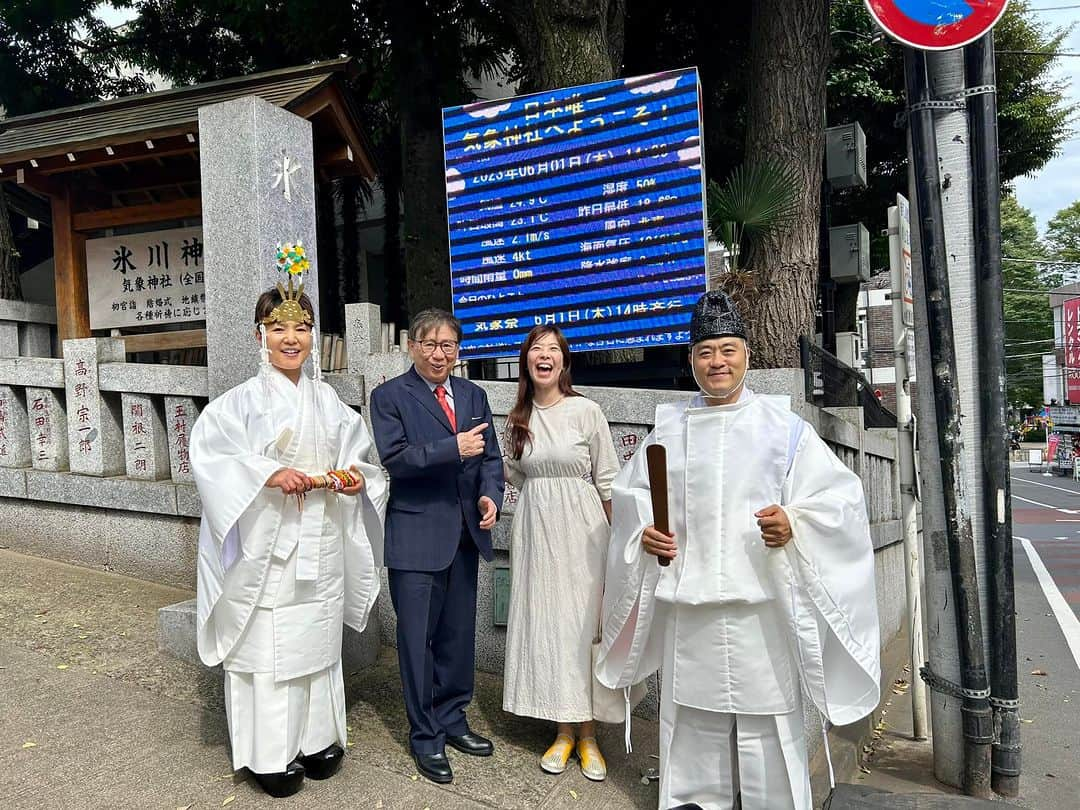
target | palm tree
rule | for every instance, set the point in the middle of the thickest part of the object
(752, 207)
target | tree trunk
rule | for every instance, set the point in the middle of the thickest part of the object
(789, 54)
(10, 283)
(419, 102)
(563, 43)
(567, 42)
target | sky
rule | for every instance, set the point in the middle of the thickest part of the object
(1058, 183)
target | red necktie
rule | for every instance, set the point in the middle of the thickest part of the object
(440, 394)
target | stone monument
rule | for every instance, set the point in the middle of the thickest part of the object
(258, 189)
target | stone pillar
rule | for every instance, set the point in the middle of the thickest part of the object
(14, 428)
(35, 340)
(95, 435)
(48, 429)
(146, 450)
(363, 328)
(9, 339)
(363, 323)
(258, 189)
(180, 416)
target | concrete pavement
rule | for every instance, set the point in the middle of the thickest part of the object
(92, 715)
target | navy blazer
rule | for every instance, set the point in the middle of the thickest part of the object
(432, 491)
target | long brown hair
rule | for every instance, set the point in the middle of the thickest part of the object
(517, 423)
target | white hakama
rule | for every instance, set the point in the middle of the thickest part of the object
(710, 758)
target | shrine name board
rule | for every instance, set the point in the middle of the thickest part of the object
(146, 279)
(581, 207)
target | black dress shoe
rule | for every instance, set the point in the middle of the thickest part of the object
(324, 764)
(435, 767)
(469, 743)
(280, 785)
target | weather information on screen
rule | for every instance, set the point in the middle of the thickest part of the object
(582, 208)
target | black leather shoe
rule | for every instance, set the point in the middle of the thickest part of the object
(470, 743)
(324, 764)
(435, 767)
(280, 785)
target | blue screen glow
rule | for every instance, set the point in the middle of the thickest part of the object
(581, 207)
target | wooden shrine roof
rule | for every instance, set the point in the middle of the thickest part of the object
(72, 138)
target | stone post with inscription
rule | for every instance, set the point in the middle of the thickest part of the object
(14, 428)
(180, 416)
(95, 432)
(146, 448)
(258, 189)
(48, 429)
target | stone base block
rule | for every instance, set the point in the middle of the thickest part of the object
(176, 635)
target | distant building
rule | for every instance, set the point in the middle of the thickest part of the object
(874, 348)
(1065, 359)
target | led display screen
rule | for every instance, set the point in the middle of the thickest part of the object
(581, 207)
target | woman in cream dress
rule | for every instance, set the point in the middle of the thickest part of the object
(560, 456)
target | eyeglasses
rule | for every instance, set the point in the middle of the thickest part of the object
(429, 346)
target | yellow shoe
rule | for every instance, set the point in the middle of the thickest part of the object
(555, 758)
(592, 761)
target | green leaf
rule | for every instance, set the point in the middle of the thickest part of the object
(754, 204)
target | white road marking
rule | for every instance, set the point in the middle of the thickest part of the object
(1066, 619)
(1047, 505)
(1041, 484)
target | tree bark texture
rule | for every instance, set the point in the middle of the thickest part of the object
(419, 101)
(563, 43)
(789, 54)
(10, 283)
(568, 42)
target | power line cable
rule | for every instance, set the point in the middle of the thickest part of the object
(1053, 54)
(1040, 261)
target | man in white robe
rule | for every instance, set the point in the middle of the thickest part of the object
(275, 581)
(770, 585)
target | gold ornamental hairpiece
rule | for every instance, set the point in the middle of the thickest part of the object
(291, 260)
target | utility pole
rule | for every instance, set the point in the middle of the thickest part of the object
(996, 502)
(973, 689)
(903, 322)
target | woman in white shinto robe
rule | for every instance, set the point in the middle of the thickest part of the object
(277, 582)
(769, 591)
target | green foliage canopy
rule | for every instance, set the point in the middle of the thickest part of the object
(1029, 326)
(1063, 234)
(57, 53)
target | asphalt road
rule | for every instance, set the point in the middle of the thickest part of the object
(1046, 554)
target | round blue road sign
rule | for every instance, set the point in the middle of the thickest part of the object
(936, 25)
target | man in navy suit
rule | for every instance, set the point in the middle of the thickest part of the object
(435, 437)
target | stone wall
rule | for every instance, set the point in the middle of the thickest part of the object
(871, 453)
(131, 507)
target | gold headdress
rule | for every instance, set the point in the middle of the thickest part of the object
(291, 260)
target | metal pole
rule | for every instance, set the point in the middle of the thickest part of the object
(975, 711)
(826, 286)
(939, 623)
(900, 265)
(997, 506)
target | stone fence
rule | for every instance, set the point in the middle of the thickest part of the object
(94, 467)
(871, 453)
